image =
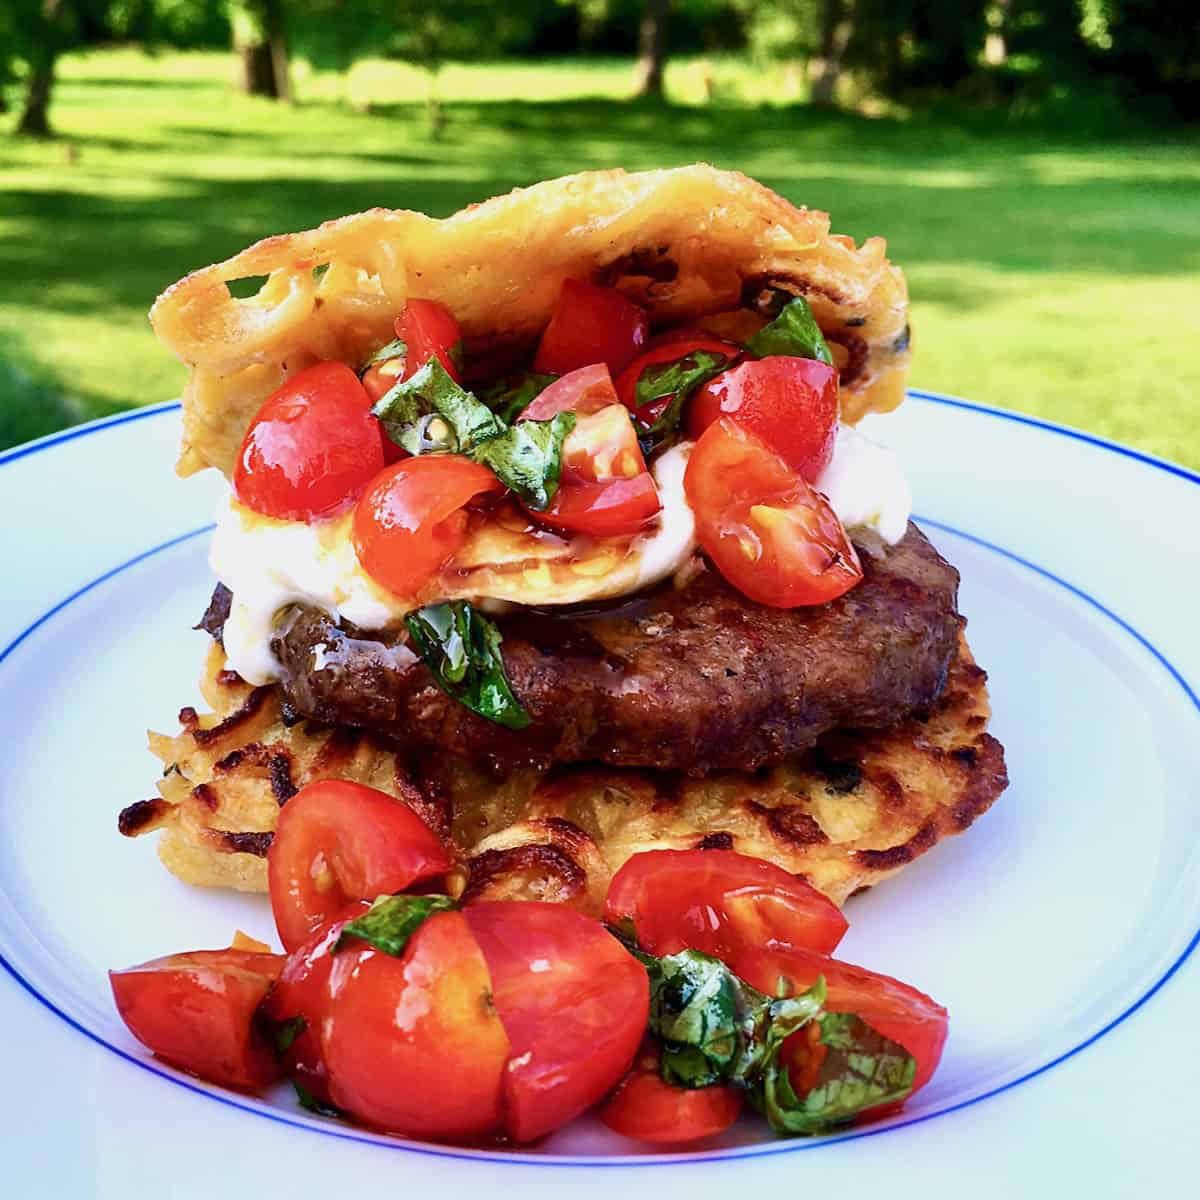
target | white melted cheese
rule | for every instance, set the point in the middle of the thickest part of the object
(269, 565)
(865, 486)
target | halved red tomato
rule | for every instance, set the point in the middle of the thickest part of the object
(611, 509)
(667, 348)
(574, 1004)
(791, 403)
(410, 521)
(197, 1011)
(379, 379)
(764, 527)
(338, 841)
(647, 1108)
(312, 447)
(719, 902)
(605, 488)
(590, 324)
(428, 329)
(413, 1044)
(302, 990)
(894, 1009)
(586, 390)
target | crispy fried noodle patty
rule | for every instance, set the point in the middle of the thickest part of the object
(846, 814)
(682, 243)
(839, 742)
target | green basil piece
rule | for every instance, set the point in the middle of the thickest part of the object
(392, 920)
(286, 1032)
(509, 398)
(393, 349)
(695, 1004)
(528, 458)
(312, 1104)
(862, 1069)
(678, 380)
(794, 332)
(461, 648)
(433, 390)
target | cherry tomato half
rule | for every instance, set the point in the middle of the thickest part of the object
(894, 1009)
(666, 348)
(766, 530)
(591, 325)
(428, 329)
(414, 1044)
(302, 990)
(379, 379)
(647, 1108)
(312, 448)
(613, 509)
(719, 902)
(338, 841)
(791, 403)
(605, 489)
(197, 1012)
(410, 521)
(585, 390)
(574, 1003)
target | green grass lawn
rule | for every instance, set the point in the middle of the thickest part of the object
(1051, 272)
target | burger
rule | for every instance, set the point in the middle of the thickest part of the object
(551, 520)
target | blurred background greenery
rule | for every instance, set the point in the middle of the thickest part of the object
(1033, 164)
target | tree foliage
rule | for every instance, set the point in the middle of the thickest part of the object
(1145, 53)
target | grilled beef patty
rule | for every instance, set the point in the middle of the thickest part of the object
(691, 680)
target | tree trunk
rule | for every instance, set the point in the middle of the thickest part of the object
(276, 30)
(260, 36)
(35, 115)
(258, 70)
(837, 24)
(652, 48)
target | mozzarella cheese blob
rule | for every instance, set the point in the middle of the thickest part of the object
(270, 565)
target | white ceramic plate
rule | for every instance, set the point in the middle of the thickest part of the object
(1057, 931)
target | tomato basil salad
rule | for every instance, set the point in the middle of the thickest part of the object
(707, 990)
(569, 444)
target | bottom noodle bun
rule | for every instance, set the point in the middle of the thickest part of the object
(852, 811)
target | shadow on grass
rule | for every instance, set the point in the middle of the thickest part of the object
(30, 408)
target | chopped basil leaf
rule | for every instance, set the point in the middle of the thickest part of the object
(678, 380)
(860, 1069)
(461, 648)
(716, 1029)
(694, 1009)
(392, 920)
(430, 414)
(394, 349)
(433, 390)
(286, 1032)
(528, 457)
(312, 1104)
(509, 398)
(794, 332)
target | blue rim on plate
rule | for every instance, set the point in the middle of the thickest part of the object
(550, 1160)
